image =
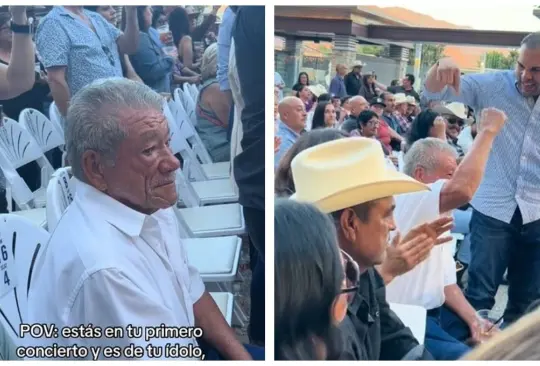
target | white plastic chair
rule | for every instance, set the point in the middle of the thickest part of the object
(188, 103)
(43, 130)
(60, 194)
(224, 301)
(412, 316)
(56, 118)
(22, 243)
(209, 192)
(208, 170)
(194, 91)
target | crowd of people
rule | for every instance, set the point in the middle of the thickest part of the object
(376, 183)
(116, 257)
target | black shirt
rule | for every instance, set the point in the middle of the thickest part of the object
(248, 34)
(371, 330)
(353, 83)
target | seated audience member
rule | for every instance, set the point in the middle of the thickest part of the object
(317, 286)
(324, 116)
(355, 105)
(303, 80)
(151, 64)
(400, 113)
(363, 217)
(109, 14)
(368, 124)
(454, 115)
(451, 319)
(292, 122)
(412, 109)
(283, 183)
(307, 97)
(427, 124)
(518, 342)
(213, 108)
(384, 134)
(367, 90)
(116, 259)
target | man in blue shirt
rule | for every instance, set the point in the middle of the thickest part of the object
(292, 121)
(337, 85)
(78, 46)
(505, 225)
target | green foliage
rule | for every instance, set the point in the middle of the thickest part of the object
(370, 50)
(431, 53)
(497, 60)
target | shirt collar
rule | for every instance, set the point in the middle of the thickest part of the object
(114, 212)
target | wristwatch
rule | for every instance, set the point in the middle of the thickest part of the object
(23, 29)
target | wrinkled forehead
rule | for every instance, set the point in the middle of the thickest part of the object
(138, 122)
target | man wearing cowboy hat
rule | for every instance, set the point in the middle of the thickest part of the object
(451, 320)
(354, 185)
(400, 113)
(455, 114)
(412, 111)
(353, 80)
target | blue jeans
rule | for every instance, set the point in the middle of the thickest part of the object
(495, 246)
(257, 353)
(445, 334)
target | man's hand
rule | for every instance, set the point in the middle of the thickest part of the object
(439, 127)
(448, 73)
(478, 335)
(18, 14)
(433, 229)
(492, 120)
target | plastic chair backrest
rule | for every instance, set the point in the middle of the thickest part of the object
(189, 105)
(56, 118)
(18, 144)
(41, 129)
(21, 244)
(194, 91)
(60, 194)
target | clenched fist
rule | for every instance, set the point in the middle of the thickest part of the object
(448, 73)
(492, 120)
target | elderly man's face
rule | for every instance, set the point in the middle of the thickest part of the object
(446, 166)
(366, 241)
(143, 176)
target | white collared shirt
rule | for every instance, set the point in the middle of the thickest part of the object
(424, 285)
(109, 265)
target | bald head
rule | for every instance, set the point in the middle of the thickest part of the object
(358, 105)
(341, 69)
(292, 112)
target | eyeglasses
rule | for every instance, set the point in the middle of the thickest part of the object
(455, 121)
(352, 276)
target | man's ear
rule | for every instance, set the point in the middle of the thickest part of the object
(92, 166)
(348, 225)
(419, 173)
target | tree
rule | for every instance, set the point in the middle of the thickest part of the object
(497, 60)
(431, 53)
(370, 50)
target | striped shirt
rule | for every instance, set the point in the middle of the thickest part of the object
(512, 175)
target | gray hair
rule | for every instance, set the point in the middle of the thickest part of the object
(531, 41)
(209, 62)
(425, 153)
(93, 118)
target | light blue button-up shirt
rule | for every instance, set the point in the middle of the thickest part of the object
(288, 138)
(512, 175)
(224, 48)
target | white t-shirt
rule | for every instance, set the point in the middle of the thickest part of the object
(424, 285)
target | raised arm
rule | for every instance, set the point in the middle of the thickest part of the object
(460, 189)
(129, 40)
(18, 77)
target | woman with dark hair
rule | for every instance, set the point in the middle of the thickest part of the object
(311, 291)
(427, 124)
(180, 27)
(368, 124)
(324, 116)
(108, 12)
(367, 89)
(303, 80)
(284, 183)
(306, 96)
(150, 63)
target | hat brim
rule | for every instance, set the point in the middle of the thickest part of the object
(443, 110)
(395, 183)
(381, 104)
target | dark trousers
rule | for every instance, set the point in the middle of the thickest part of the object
(495, 246)
(446, 334)
(255, 227)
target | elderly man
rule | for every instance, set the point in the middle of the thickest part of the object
(337, 85)
(454, 115)
(505, 225)
(292, 122)
(361, 202)
(115, 259)
(357, 105)
(78, 46)
(400, 113)
(432, 284)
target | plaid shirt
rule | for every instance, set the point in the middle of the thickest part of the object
(404, 124)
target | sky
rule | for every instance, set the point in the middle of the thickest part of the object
(500, 17)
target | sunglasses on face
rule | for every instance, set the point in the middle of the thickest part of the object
(456, 121)
(352, 276)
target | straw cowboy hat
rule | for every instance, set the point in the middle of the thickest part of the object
(400, 98)
(345, 173)
(411, 100)
(453, 109)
